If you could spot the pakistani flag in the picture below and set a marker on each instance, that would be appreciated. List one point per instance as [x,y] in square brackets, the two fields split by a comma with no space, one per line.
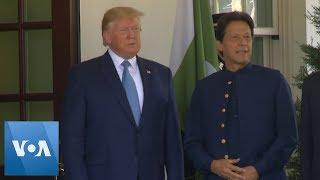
[193,54]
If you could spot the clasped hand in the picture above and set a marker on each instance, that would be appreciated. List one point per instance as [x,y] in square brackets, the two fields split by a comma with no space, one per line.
[227,169]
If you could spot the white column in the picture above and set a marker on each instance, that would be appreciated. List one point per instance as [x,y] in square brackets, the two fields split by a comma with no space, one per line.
[285,53]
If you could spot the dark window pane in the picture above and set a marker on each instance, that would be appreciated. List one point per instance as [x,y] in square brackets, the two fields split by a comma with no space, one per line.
[8,111]
[261,11]
[9,62]
[40,110]
[39,60]
[8,11]
[37,10]
[257,53]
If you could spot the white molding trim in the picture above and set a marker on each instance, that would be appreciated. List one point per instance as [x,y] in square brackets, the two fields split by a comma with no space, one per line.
[266,31]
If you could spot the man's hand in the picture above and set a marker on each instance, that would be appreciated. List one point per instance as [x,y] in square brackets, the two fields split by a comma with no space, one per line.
[225,168]
[250,173]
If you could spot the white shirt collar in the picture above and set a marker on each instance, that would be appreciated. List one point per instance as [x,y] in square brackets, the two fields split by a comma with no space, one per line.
[117,60]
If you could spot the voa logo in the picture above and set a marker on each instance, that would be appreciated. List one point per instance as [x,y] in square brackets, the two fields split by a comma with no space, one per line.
[31,148]
[40,149]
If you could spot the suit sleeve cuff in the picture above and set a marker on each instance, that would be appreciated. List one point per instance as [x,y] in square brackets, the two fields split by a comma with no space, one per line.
[207,165]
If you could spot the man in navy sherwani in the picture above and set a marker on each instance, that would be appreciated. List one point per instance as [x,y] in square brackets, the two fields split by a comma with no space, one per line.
[119,119]
[241,122]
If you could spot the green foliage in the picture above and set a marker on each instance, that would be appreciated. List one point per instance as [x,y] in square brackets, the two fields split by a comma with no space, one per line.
[313,17]
[312,56]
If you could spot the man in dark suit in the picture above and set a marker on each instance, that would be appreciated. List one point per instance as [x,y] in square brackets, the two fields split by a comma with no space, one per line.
[310,128]
[119,120]
[241,121]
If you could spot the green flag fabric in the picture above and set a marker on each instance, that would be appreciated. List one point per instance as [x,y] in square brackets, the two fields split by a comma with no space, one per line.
[193,53]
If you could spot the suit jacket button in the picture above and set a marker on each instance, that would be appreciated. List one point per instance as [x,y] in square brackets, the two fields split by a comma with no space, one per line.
[223,141]
[226,96]
[223,110]
[222,125]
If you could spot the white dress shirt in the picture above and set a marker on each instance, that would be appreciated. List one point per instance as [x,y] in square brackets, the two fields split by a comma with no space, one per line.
[133,70]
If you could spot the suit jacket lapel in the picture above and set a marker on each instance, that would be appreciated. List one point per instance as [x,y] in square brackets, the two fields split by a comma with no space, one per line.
[110,73]
[146,77]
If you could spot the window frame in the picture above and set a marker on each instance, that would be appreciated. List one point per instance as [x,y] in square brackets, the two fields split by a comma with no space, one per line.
[259,31]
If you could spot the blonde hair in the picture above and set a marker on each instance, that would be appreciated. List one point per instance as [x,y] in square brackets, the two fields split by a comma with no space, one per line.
[118,13]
